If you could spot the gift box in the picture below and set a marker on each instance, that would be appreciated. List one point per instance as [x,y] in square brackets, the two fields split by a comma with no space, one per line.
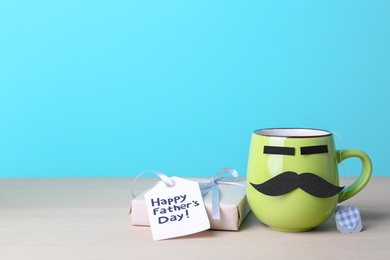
[233,207]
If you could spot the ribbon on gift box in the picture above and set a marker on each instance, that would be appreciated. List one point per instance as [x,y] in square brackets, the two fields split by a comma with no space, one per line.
[212,185]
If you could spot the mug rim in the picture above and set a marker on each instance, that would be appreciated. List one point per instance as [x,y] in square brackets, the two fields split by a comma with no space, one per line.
[292,132]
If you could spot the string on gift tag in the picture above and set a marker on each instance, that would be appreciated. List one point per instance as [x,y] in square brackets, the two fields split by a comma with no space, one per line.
[343,165]
[164,178]
[212,185]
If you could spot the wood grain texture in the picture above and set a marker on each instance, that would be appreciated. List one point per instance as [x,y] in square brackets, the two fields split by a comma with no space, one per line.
[88,219]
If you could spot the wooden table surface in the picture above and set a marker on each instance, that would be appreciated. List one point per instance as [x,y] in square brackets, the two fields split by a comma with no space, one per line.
[88,219]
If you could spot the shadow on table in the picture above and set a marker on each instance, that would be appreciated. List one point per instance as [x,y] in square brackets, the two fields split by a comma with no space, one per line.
[371,218]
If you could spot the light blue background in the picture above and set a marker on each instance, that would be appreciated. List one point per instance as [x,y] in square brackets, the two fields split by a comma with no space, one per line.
[113,88]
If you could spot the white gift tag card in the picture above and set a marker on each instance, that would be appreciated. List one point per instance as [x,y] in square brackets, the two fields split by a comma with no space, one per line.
[348,219]
[177,210]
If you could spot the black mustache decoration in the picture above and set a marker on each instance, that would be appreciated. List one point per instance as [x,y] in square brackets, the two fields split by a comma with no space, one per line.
[289,181]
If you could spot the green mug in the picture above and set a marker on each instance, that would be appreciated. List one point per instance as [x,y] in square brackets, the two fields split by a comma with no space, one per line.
[292,177]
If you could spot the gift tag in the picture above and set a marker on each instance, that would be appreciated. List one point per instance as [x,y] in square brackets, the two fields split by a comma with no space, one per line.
[176,210]
[348,219]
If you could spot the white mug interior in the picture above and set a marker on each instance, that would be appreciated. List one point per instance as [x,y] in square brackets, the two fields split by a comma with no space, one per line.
[292,132]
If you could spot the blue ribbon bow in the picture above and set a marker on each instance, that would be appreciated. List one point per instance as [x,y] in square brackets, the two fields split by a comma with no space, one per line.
[212,185]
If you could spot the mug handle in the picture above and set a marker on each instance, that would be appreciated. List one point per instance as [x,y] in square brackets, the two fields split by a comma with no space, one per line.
[364,176]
